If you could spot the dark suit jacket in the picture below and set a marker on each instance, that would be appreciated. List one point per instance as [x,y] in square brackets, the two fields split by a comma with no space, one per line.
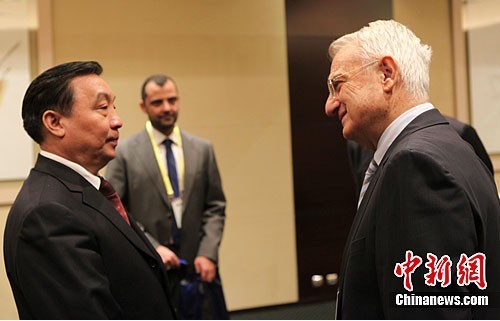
[360,157]
[70,255]
[430,194]
[136,177]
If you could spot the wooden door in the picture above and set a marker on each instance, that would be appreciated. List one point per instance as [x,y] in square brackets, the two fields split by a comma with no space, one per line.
[323,183]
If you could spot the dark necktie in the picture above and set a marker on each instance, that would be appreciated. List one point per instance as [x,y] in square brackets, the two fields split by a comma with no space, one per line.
[172,168]
[174,181]
[368,177]
[109,192]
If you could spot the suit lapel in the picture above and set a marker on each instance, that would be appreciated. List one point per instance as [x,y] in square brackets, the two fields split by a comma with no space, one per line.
[91,197]
[358,218]
[429,118]
[145,153]
[94,199]
[190,160]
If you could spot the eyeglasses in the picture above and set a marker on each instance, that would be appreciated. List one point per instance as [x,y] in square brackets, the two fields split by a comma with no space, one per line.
[334,83]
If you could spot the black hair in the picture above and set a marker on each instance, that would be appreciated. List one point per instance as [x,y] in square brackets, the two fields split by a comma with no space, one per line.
[51,90]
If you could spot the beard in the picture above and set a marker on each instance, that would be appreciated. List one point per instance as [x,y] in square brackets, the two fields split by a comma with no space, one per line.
[165,124]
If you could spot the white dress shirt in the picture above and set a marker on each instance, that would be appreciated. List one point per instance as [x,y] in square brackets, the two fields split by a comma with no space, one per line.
[91,178]
[396,127]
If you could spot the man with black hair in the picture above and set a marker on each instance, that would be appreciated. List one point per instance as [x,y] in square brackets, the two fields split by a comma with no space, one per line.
[71,251]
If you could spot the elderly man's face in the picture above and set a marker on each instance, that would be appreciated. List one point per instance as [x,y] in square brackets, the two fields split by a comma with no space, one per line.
[91,130]
[357,98]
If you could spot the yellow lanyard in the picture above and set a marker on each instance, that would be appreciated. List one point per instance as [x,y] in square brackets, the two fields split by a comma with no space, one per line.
[162,163]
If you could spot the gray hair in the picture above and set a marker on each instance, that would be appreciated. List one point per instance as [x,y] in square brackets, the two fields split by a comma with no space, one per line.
[390,38]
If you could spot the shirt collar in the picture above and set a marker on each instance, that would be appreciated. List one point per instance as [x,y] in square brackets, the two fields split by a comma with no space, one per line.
[396,127]
[91,178]
[160,137]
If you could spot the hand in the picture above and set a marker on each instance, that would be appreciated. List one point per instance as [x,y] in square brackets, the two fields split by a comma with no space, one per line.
[205,267]
[170,260]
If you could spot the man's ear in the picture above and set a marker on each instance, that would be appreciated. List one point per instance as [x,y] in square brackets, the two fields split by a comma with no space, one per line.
[143,106]
[390,72]
[52,122]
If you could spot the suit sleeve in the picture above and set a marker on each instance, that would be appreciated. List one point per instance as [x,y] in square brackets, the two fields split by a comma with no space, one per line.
[68,280]
[423,209]
[215,212]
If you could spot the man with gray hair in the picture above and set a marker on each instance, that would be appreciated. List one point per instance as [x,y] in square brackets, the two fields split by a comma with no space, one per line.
[425,242]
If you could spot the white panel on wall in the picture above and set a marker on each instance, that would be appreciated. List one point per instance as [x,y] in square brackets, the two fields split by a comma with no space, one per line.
[484,75]
[16,147]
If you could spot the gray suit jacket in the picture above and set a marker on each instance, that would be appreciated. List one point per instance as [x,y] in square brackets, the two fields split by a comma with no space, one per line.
[430,194]
[136,177]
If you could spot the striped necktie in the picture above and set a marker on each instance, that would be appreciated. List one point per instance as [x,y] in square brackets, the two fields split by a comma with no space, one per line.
[368,176]
[109,192]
